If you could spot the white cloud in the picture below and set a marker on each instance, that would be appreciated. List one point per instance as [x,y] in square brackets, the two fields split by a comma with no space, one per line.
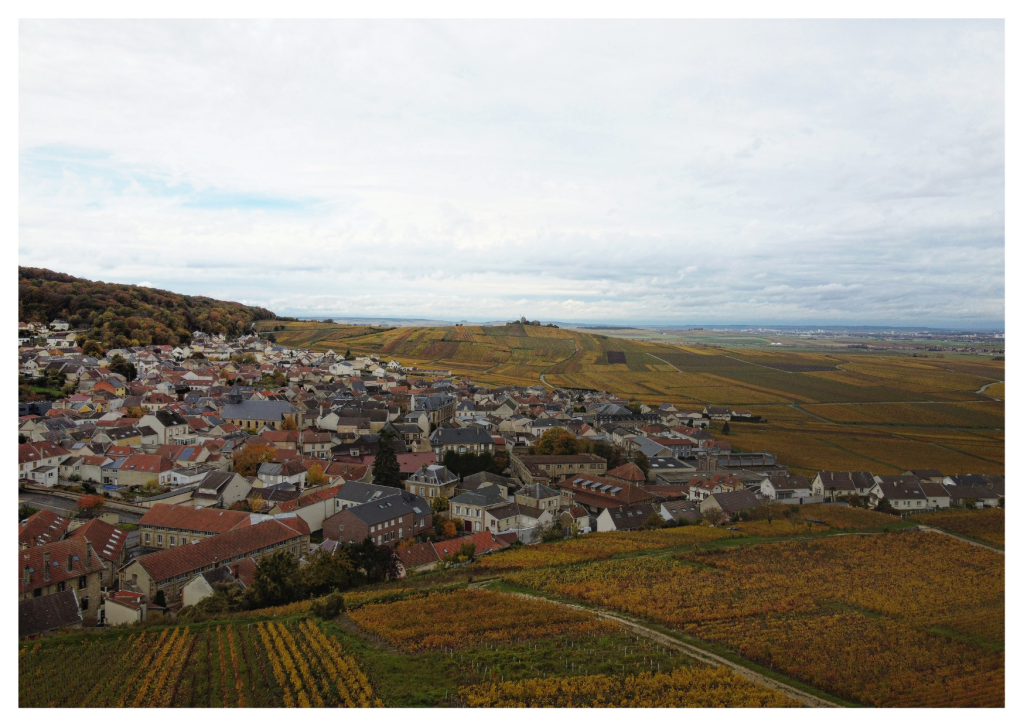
[645,171]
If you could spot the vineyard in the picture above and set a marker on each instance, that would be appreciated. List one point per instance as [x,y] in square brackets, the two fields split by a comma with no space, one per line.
[872,619]
[467,618]
[984,525]
[682,688]
[263,664]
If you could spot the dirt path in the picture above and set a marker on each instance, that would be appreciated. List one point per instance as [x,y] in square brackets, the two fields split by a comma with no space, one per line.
[698,654]
[926,528]
[574,354]
[985,388]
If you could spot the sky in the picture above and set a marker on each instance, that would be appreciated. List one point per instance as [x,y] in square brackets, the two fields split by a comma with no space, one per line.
[658,172]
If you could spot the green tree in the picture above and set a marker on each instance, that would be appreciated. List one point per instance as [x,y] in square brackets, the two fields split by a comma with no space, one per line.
[654,521]
[552,532]
[376,563]
[25,511]
[468,464]
[227,597]
[278,581]
[725,429]
[439,504]
[122,367]
[386,470]
[326,572]
[93,349]
[641,460]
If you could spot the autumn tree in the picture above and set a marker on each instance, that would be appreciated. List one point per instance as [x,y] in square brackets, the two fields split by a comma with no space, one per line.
[93,349]
[641,460]
[135,412]
[557,441]
[315,476]
[439,504]
[91,503]
[247,460]
[386,470]
[289,425]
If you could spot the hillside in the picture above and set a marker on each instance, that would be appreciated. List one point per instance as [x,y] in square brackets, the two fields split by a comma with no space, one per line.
[837,410]
[123,315]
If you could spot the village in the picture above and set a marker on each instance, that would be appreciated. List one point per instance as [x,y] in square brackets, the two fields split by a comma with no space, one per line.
[161,472]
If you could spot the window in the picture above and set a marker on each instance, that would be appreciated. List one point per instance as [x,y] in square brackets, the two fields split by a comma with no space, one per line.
[372,528]
[421,521]
[173,540]
[146,537]
[431,492]
[378,539]
[85,603]
[421,491]
[38,592]
[60,587]
[159,539]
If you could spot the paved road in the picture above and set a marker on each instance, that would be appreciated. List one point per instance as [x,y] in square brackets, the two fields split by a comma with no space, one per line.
[66,507]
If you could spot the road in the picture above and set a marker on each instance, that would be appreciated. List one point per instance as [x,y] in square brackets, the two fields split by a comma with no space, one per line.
[985,388]
[575,353]
[66,507]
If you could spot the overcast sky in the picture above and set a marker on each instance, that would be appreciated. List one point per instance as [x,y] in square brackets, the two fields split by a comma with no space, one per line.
[659,172]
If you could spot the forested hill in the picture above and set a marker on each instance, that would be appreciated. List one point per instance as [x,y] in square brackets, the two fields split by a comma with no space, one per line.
[124,315]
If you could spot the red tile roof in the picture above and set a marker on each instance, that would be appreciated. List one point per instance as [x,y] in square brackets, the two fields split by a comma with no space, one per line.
[241,542]
[42,527]
[34,557]
[198,519]
[306,499]
[106,539]
[151,463]
[628,471]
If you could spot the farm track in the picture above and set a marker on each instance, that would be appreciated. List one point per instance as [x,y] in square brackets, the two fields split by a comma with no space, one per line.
[575,353]
[986,387]
[926,528]
[698,654]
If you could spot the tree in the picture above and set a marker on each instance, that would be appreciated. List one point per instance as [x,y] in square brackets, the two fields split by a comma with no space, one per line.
[376,563]
[439,504]
[634,406]
[151,487]
[654,521]
[613,455]
[448,529]
[725,429]
[256,503]
[854,500]
[245,359]
[716,516]
[91,503]
[468,464]
[278,581]
[386,471]
[315,476]
[25,511]
[227,597]
[641,460]
[557,441]
[885,506]
[289,425]
[242,505]
[551,532]
[122,367]
[326,572]
[135,412]
[247,460]
[93,349]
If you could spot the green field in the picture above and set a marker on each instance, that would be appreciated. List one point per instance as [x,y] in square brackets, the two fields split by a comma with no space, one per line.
[826,409]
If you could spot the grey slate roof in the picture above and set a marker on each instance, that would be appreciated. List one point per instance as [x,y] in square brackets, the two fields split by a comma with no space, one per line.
[50,612]
[258,410]
[452,437]
[482,497]
[396,505]
[358,491]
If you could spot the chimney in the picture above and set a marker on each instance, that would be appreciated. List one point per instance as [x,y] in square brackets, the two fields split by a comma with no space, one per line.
[27,576]
[46,566]
[88,556]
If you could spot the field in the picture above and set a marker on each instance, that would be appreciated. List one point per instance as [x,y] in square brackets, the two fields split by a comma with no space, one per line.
[826,409]
[869,618]
[984,525]
[268,664]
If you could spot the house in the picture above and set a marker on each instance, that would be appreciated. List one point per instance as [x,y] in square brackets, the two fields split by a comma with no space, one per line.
[718,413]
[240,573]
[486,478]
[171,569]
[188,475]
[938,497]
[289,472]
[125,607]
[541,469]
[32,456]
[732,502]
[386,520]
[979,490]
[539,496]
[471,506]
[833,485]
[668,470]
[165,526]
[519,518]
[42,528]
[626,518]
[628,472]
[255,415]
[109,543]
[48,614]
[432,481]
[680,511]
[787,488]
[170,427]
[139,470]
[70,564]
[470,440]
[903,492]
[221,489]
[353,493]
[598,493]
[426,556]
[313,507]
[439,407]
[575,516]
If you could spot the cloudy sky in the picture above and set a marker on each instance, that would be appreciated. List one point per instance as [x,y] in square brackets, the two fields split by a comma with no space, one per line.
[590,171]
